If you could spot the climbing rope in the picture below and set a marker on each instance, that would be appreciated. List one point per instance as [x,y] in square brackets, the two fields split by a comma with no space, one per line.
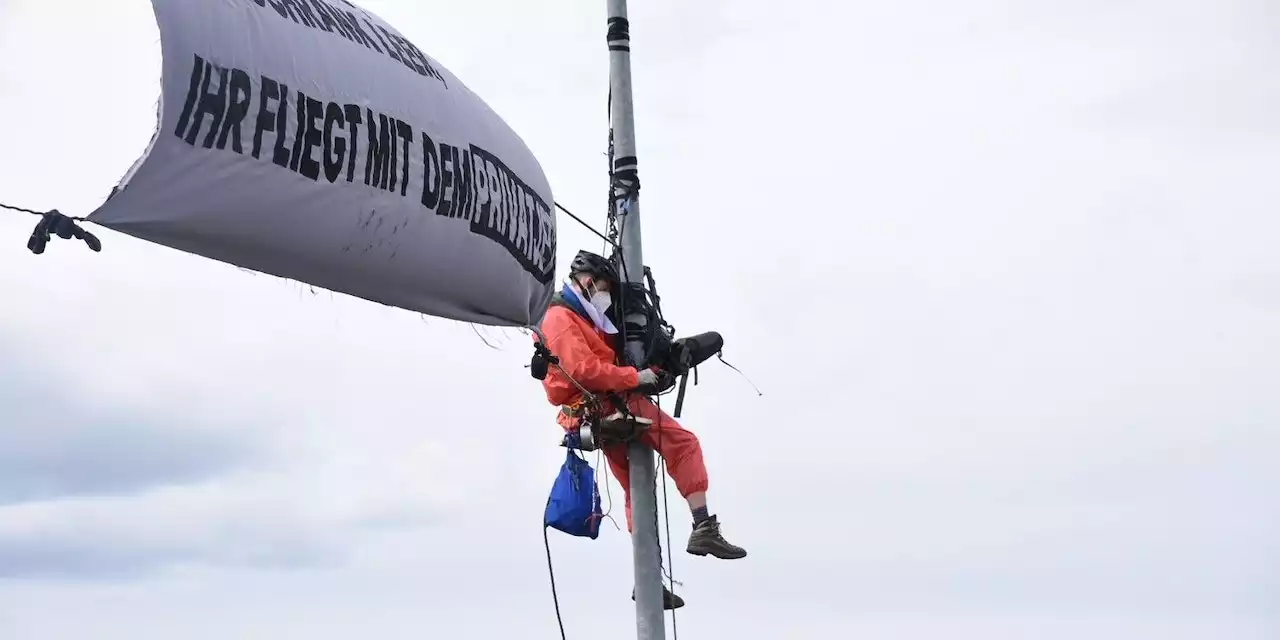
[661,476]
[660,472]
[585,225]
[20,209]
[55,222]
[549,359]
[555,597]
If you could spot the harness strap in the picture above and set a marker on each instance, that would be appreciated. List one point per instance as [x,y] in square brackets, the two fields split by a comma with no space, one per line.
[575,409]
[580,407]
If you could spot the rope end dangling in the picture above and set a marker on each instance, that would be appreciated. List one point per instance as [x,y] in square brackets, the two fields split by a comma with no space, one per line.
[55,223]
[720,356]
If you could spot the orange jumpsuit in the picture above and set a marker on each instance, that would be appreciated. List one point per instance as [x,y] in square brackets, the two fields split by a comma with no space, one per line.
[588,356]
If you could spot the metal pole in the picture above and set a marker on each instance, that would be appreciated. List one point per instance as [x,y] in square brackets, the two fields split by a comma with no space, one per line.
[644,498]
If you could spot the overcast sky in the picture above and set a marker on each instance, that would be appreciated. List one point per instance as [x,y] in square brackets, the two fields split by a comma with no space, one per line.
[1005,271]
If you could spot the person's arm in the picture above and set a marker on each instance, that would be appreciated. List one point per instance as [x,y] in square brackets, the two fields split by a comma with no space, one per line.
[566,340]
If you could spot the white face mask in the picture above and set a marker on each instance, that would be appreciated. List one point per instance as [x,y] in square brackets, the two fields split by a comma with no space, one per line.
[601,300]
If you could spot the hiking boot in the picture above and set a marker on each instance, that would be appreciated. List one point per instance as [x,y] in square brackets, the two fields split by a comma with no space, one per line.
[706,539]
[669,600]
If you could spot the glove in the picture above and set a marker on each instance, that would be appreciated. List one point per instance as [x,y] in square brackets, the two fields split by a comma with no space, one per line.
[652,383]
[648,378]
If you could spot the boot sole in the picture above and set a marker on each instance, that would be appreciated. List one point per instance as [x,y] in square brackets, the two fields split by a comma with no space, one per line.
[675,605]
[698,551]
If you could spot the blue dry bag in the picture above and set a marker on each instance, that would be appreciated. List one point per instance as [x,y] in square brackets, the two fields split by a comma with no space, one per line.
[574,504]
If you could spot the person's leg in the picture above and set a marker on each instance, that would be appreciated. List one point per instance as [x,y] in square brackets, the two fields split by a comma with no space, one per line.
[619,465]
[698,506]
[679,447]
[685,464]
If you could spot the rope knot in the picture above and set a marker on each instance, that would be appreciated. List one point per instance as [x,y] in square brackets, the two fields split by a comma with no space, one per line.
[55,223]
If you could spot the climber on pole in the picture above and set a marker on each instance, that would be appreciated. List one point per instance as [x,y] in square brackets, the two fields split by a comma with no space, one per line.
[584,338]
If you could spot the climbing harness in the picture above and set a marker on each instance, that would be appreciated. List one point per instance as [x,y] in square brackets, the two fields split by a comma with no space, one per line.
[595,428]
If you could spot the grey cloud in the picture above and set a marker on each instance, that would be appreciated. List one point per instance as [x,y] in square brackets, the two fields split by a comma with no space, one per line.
[52,445]
[93,491]
[107,458]
[83,488]
[84,555]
